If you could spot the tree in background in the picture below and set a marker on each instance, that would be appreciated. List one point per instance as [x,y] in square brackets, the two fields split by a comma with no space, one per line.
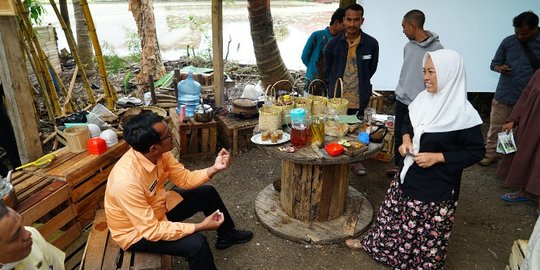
[267,53]
[151,63]
[84,42]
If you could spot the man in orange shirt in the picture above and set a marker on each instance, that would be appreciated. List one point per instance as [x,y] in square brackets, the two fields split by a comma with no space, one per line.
[143,217]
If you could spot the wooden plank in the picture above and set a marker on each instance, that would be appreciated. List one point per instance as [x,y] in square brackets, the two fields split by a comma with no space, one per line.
[193,141]
[68,237]
[147,261]
[286,194]
[235,141]
[126,262]
[166,262]
[205,140]
[91,184]
[43,202]
[31,183]
[516,252]
[58,221]
[18,91]
[213,139]
[316,189]
[75,251]
[86,208]
[112,255]
[95,248]
[183,142]
[352,216]
[217,51]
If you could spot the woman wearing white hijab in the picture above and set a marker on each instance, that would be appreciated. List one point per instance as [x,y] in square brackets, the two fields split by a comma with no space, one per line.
[441,137]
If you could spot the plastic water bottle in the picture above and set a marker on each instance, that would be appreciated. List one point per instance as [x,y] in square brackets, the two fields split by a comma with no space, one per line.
[189,94]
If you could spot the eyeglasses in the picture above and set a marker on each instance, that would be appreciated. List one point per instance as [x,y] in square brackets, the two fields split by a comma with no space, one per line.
[166,137]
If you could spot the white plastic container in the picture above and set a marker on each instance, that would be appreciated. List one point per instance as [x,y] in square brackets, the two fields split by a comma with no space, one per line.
[110,137]
[95,131]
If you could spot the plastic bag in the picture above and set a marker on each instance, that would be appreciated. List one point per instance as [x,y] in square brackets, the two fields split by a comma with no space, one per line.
[253,91]
[103,113]
[93,118]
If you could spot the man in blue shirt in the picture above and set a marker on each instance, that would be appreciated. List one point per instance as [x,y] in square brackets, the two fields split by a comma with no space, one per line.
[516,60]
[313,53]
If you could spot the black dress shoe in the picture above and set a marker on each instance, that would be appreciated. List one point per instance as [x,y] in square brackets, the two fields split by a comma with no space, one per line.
[233,237]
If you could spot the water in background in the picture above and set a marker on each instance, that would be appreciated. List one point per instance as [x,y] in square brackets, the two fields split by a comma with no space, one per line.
[181,24]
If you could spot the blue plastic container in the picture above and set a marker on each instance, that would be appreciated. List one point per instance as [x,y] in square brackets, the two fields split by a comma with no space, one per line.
[189,94]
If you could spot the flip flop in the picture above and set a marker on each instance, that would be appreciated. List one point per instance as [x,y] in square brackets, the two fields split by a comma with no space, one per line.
[514,197]
[392,171]
[353,244]
[358,168]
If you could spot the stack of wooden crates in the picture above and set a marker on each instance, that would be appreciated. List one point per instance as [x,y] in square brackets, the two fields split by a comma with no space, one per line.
[62,198]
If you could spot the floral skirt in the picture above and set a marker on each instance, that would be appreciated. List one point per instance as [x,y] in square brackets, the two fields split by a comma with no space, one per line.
[410,234]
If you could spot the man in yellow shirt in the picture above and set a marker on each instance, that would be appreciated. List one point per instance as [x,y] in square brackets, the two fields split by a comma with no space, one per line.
[142,216]
[23,248]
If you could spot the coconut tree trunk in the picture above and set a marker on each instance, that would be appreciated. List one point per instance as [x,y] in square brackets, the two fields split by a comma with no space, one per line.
[64,12]
[267,54]
[84,42]
[151,63]
[346,3]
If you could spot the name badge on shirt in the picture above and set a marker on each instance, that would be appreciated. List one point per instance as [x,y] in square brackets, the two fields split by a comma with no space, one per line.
[153,186]
[366,57]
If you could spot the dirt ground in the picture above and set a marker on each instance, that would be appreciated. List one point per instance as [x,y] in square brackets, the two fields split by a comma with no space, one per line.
[482,237]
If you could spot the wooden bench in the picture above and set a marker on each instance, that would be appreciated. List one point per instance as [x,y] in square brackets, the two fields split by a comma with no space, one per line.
[101,252]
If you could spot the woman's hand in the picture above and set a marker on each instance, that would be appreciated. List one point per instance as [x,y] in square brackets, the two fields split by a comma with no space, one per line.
[426,160]
[406,146]
[506,127]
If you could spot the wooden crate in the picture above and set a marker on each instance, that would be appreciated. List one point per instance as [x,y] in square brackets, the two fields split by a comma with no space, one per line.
[86,176]
[194,139]
[376,101]
[101,252]
[236,133]
[45,204]
[517,256]
[387,152]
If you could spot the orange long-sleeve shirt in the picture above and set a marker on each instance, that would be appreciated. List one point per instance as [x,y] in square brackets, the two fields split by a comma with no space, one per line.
[136,200]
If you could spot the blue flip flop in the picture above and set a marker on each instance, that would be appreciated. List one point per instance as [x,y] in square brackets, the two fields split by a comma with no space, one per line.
[512,197]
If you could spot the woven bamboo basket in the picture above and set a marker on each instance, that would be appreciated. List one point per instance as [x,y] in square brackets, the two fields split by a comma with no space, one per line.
[318,103]
[270,118]
[285,109]
[340,105]
[76,138]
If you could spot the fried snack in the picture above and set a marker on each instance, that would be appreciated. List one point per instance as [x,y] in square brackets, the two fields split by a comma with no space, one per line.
[279,134]
[265,136]
[274,137]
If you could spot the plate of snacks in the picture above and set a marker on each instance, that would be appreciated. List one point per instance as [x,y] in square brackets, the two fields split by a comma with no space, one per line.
[271,138]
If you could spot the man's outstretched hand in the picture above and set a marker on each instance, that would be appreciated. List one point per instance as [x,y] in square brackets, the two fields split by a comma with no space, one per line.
[211,222]
[223,161]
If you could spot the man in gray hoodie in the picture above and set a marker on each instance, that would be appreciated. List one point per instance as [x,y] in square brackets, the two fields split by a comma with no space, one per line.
[411,79]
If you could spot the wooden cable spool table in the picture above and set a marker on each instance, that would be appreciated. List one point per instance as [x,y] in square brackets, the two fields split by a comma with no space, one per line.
[316,204]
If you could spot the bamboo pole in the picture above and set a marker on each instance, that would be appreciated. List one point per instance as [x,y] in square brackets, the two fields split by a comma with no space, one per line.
[110,94]
[42,85]
[69,104]
[73,47]
[27,26]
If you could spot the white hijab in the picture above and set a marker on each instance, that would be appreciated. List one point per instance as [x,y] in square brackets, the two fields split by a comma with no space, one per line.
[445,110]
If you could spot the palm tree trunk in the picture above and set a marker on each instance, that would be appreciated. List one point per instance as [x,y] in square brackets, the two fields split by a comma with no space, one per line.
[151,63]
[84,42]
[267,54]
[64,12]
[346,3]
